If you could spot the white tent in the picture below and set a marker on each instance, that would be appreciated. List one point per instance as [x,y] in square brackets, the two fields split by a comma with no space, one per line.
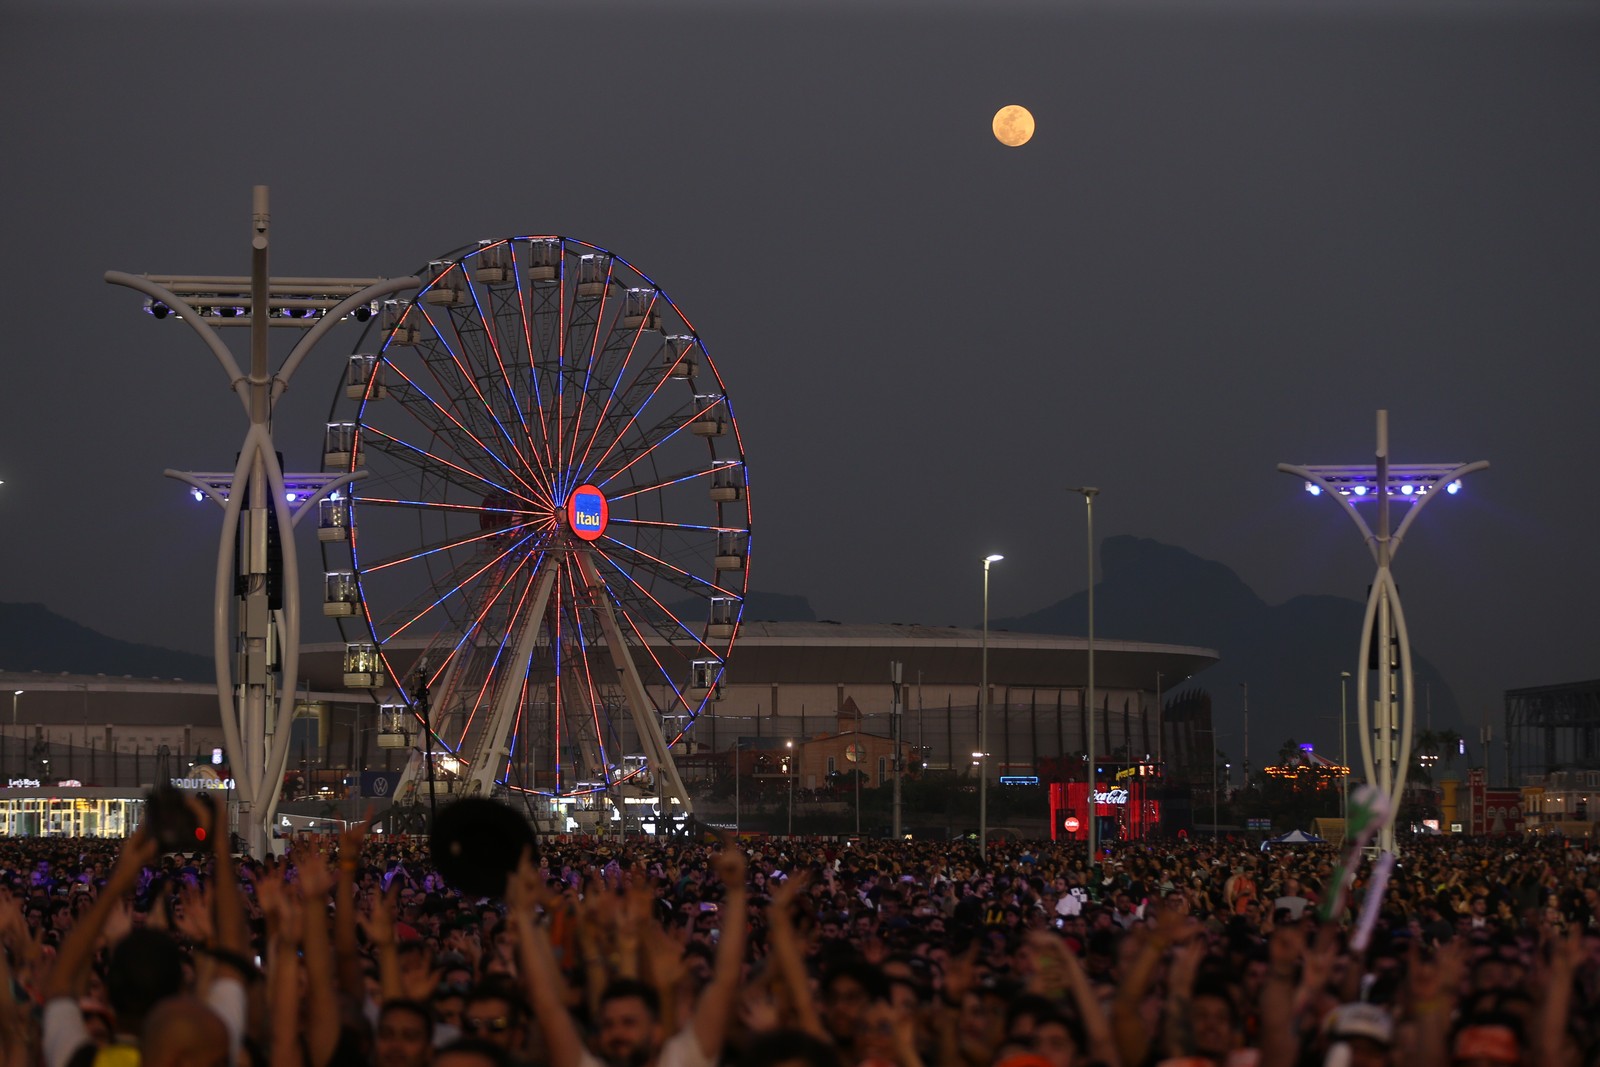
[1293,837]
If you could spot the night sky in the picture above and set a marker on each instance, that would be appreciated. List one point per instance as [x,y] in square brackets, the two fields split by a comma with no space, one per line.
[1239,231]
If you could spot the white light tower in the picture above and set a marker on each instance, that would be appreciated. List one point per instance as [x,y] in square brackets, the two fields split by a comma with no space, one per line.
[1384,483]
[983,717]
[263,637]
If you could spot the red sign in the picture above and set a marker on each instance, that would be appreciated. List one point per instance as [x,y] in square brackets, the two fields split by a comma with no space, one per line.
[1071,824]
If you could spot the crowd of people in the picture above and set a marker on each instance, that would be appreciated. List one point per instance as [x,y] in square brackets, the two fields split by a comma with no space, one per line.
[801,952]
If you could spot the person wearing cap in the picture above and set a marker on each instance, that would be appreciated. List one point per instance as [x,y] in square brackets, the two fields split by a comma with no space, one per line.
[1365,1030]
[1487,1041]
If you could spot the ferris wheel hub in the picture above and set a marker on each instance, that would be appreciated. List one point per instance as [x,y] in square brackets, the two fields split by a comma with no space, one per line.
[588,513]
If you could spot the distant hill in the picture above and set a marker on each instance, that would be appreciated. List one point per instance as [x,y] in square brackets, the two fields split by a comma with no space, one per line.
[34,638]
[1290,654]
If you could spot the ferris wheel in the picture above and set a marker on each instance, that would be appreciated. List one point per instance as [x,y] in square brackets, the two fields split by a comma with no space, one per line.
[553,532]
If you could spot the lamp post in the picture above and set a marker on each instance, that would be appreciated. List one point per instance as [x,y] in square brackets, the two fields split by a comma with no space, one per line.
[1344,758]
[15,693]
[790,746]
[1246,687]
[1089,493]
[983,716]
[1385,757]
[1214,834]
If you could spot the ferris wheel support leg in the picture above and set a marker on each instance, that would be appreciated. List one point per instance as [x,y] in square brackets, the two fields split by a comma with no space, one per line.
[494,748]
[668,783]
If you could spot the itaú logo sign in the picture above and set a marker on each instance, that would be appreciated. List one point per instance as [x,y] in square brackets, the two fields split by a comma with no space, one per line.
[587,512]
[1114,796]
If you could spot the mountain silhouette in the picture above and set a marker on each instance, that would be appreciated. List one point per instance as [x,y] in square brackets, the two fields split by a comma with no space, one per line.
[34,638]
[1289,654]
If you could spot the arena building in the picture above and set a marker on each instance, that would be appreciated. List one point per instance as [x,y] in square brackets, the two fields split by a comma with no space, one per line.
[822,685]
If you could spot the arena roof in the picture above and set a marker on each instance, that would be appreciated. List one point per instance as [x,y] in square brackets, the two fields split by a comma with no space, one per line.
[811,652]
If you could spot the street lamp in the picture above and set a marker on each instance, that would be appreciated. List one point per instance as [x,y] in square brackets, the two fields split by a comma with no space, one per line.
[1385,483]
[1246,687]
[1089,493]
[790,746]
[15,693]
[983,717]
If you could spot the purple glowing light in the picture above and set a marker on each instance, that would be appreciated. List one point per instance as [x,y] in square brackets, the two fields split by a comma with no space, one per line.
[1454,487]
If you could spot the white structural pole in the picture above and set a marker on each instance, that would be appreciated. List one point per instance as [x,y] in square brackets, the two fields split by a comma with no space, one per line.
[1091,821]
[257,707]
[1385,725]
[895,709]
[983,718]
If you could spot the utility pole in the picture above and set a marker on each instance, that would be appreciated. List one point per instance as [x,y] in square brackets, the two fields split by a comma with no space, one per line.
[419,696]
[1246,687]
[899,763]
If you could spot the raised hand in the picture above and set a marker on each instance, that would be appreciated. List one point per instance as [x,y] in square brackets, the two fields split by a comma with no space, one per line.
[193,917]
[378,922]
[731,865]
[353,838]
[313,875]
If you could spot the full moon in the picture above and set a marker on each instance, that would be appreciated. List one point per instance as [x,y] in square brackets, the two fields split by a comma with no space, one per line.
[1013,125]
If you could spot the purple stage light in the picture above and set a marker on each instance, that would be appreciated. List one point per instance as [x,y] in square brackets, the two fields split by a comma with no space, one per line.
[1360,490]
[1313,488]
[1454,487]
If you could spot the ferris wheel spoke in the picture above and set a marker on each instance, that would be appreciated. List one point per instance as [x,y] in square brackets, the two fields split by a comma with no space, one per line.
[654,444]
[667,614]
[438,505]
[666,676]
[586,674]
[452,590]
[533,371]
[420,458]
[616,376]
[686,580]
[484,406]
[622,521]
[384,563]
[469,633]
[495,676]
[490,332]
[589,363]
[488,323]
[448,419]
[659,485]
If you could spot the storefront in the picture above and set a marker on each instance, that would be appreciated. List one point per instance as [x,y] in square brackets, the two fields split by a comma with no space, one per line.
[31,809]
[1123,810]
